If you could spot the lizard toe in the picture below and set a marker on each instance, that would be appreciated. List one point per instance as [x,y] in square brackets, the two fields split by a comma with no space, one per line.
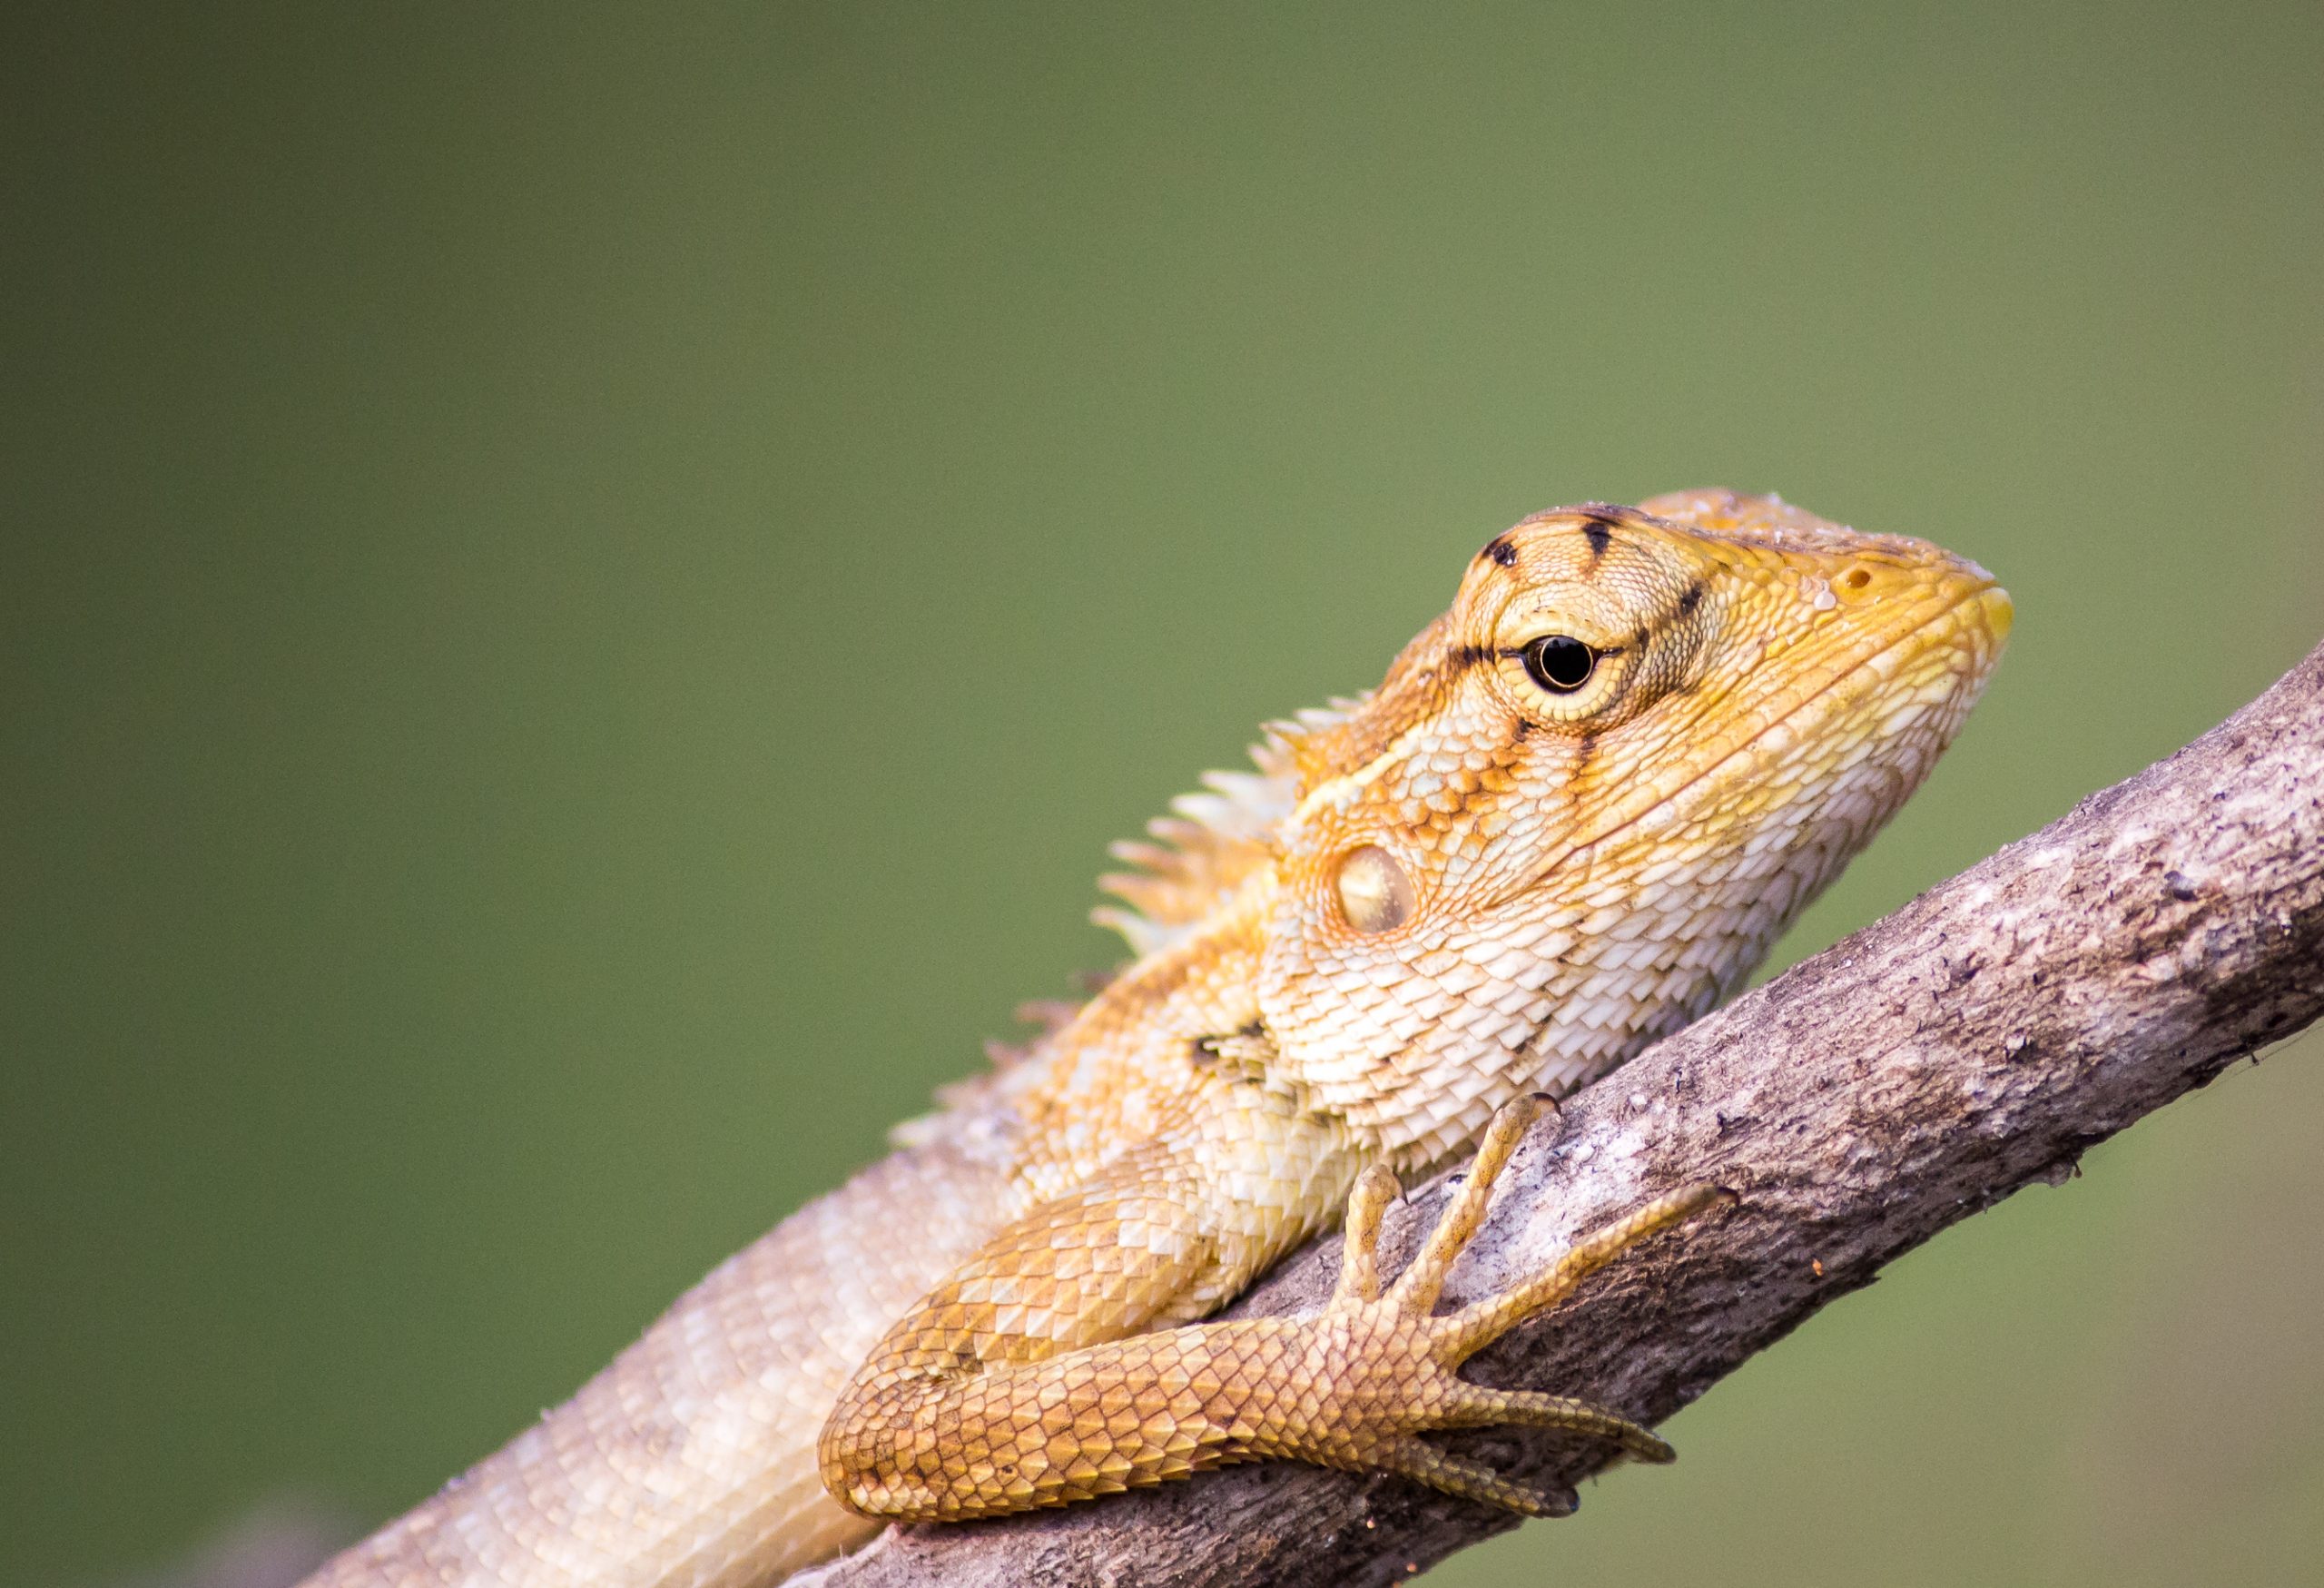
[1479,1324]
[1416,1458]
[1479,1405]
[1417,1289]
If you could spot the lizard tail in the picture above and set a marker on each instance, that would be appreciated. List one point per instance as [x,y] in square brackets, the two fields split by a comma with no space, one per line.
[691,1459]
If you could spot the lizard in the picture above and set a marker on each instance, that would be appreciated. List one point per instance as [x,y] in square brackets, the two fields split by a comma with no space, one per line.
[1572,817]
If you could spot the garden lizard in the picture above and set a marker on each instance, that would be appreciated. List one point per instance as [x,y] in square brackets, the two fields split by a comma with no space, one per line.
[1571,818]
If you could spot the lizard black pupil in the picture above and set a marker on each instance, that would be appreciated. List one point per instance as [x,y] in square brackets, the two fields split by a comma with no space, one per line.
[1560,663]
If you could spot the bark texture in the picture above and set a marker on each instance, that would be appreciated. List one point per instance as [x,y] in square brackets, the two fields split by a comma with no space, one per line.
[1923,1069]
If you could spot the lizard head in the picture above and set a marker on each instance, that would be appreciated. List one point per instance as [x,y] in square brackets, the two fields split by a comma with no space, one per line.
[1584,802]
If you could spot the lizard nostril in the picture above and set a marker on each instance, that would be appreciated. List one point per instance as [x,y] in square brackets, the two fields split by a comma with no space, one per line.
[1375,893]
[1856,578]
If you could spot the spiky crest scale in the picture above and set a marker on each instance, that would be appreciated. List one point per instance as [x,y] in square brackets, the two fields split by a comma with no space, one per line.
[1213,840]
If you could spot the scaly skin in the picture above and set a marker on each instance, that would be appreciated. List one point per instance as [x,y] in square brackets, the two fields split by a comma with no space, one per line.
[1472,887]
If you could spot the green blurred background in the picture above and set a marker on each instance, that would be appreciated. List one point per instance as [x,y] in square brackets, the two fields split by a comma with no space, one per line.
[586,586]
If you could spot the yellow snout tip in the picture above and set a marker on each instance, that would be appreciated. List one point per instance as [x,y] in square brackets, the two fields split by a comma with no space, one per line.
[1999,611]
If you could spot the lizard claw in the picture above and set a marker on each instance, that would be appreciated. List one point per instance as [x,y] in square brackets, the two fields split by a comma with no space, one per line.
[1393,1361]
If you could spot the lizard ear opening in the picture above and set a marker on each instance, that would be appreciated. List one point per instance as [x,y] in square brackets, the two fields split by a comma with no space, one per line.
[1375,893]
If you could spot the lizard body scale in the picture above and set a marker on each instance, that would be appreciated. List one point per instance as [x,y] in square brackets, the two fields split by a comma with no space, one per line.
[1572,817]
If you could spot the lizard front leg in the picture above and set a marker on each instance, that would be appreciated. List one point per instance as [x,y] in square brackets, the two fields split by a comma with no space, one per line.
[927,1432]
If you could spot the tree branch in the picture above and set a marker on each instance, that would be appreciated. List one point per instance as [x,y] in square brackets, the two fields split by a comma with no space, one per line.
[1923,1069]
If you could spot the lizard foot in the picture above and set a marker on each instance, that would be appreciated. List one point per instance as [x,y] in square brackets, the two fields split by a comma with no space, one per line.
[1390,1363]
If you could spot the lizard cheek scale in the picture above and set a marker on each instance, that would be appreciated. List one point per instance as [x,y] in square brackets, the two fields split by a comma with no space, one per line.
[1572,816]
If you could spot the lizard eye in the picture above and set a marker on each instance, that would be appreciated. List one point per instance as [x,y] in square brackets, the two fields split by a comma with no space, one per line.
[1560,663]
